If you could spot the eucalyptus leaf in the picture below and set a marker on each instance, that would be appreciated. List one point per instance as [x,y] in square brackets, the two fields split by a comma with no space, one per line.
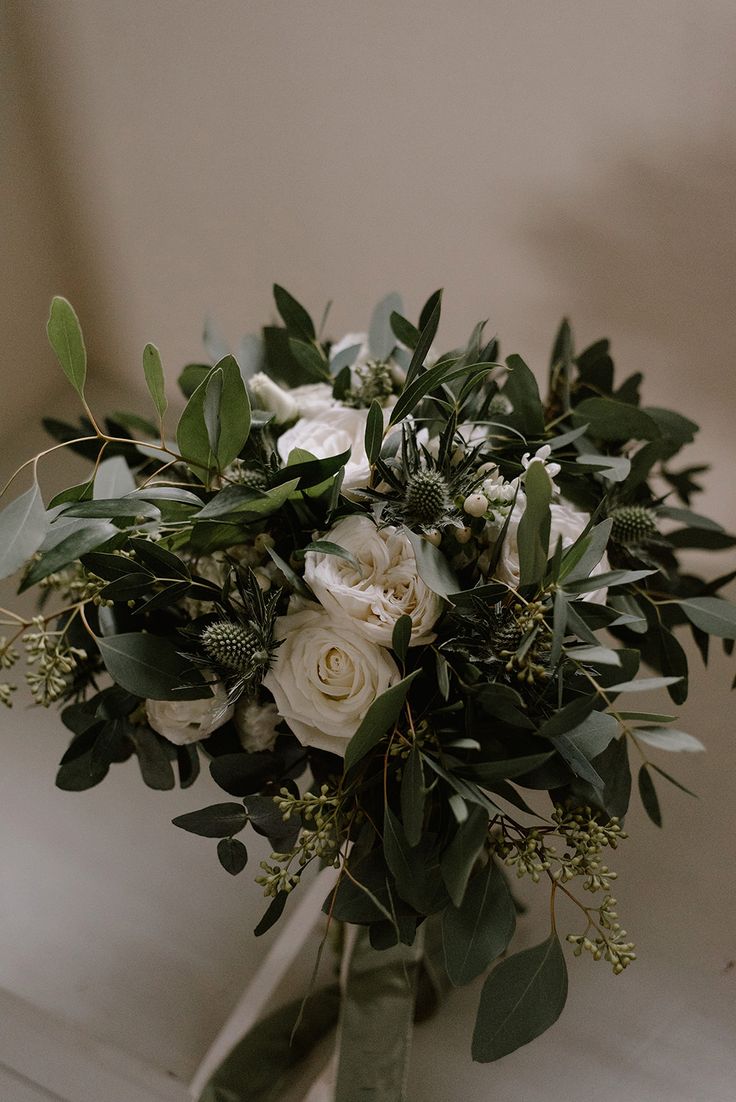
[149,666]
[154,374]
[216,821]
[381,339]
[65,337]
[523,996]
[668,738]
[23,526]
[374,431]
[460,856]
[378,720]
[413,797]
[534,527]
[293,314]
[713,615]
[480,929]
[649,798]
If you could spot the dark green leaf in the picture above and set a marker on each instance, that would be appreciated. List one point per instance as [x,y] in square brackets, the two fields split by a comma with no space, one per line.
[404,330]
[534,526]
[243,774]
[310,359]
[523,996]
[480,929]
[156,769]
[232,854]
[611,420]
[215,821]
[374,431]
[401,637]
[293,314]
[116,508]
[149,666]
[192,434]
[522,391]
[234,413]
[406,862]
[413,796]
[648,794]
[378,720]
[463,851]
[65,337]
[432,566]
[273,913]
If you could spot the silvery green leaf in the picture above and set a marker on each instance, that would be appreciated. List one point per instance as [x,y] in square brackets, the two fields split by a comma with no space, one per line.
[381,339]
[603,655]
[713,615]
[667,738]
[23,526]
[614,468]
[114,478]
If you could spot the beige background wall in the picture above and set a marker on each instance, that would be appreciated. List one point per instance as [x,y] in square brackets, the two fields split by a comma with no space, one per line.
[166,160]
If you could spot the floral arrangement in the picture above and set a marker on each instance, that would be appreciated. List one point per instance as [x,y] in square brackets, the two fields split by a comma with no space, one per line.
[398,604]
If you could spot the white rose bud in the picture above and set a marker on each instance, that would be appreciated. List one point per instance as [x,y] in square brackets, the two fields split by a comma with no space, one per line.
[256,725]
[325,677]
[185,721]
[384,586]
[274,399]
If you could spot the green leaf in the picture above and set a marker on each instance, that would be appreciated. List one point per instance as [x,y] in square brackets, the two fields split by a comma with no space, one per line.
[310,359]
[668,738]
[65,337]
[374,431]
[23,526]
[713,615]
[232,855]
[488,773]
[117,508]
[191,376]
[234,413]
[401,637]
[522,391]
[523,996]
[325,547]
[428,323]
[273,913]
[432,566]
[587,551]
[413,796]
[381,340]
[463,851]
[378,720]
[404,331]
[608,419]
[673,781]
[215,821]
[192,436]
[534,526]
[417,388]
[480,929]
[293,314]
[88,536]
[150,667]
[642,685]
[649,798]
[153,761]
[154,373]
[407,864]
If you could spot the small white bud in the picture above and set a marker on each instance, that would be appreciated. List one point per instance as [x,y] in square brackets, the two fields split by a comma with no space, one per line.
[463,535]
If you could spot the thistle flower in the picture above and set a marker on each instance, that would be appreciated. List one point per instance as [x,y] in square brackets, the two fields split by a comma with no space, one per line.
[633,525]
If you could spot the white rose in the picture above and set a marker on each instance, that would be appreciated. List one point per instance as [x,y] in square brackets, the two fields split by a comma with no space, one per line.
[326,677]
[185,721]
[274,399]
[564,521]
[384,587]
[331,432]
[256,725]
[313,398]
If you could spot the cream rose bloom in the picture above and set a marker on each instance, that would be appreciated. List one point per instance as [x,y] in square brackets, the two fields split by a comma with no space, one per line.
[325,677]
[384,587]
[564,521]
[185,721]
[334,430]
[268,395]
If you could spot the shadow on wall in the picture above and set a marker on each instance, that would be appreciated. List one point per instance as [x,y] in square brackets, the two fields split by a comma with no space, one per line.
[649,249]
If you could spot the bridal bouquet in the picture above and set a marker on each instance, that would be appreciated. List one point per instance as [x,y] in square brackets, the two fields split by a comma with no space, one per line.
[398,604]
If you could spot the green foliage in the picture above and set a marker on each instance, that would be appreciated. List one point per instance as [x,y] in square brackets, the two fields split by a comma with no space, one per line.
[479,930]
[378,721]
[523,996]
[154,373]
[149,666]
[65,337]
[23,526]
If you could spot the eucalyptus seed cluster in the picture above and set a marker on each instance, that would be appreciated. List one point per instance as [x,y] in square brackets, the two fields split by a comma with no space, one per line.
[608,943]
[75,583]
[521,639]
[320,840]
[528,854]
[373,381]
[56,659]
[585,838]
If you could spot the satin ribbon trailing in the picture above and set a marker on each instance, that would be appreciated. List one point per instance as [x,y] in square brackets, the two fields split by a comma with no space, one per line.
[376,1019]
